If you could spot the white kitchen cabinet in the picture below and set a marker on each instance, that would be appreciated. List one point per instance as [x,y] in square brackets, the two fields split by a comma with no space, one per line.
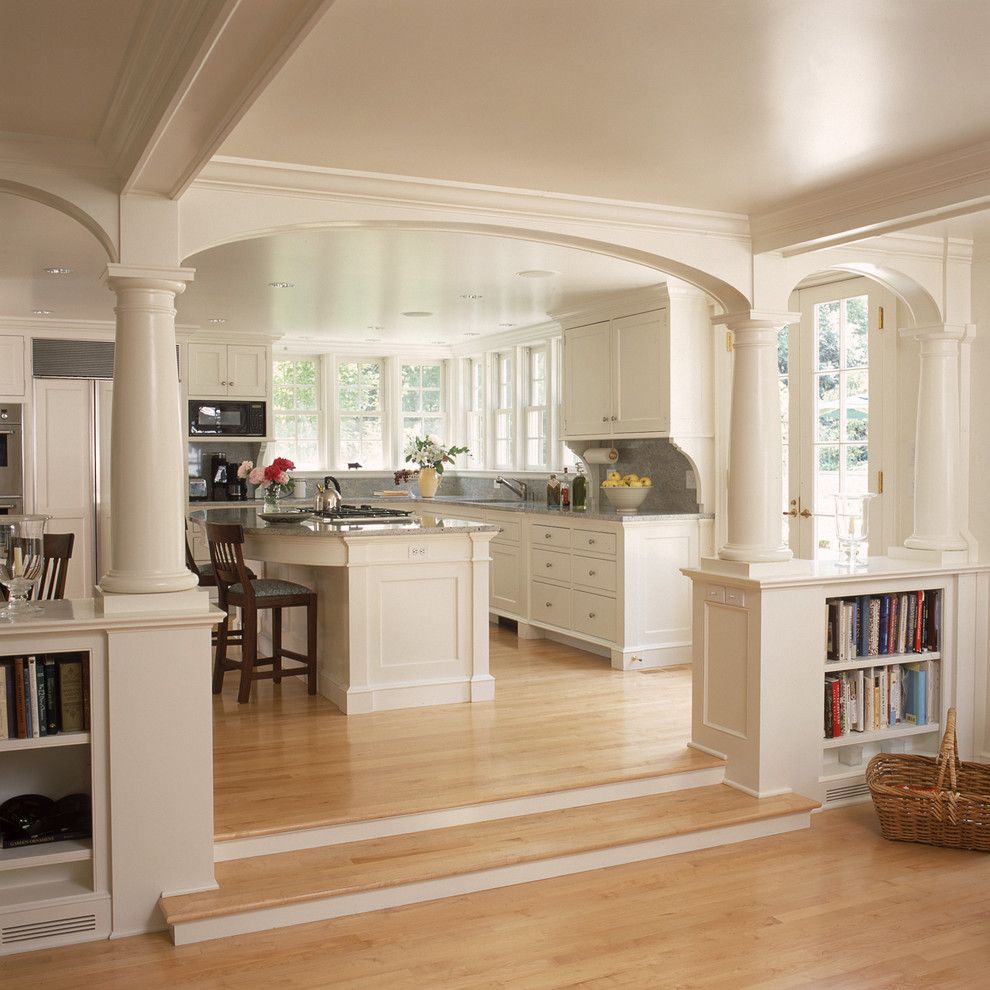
[507,575]
[614,377]
[237,371]
[11,366]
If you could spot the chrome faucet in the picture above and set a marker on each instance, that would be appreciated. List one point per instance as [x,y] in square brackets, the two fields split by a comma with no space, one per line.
[519,488]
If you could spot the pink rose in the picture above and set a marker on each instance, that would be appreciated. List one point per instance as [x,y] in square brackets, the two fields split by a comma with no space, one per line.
[245,469]
[283,478]
[257,475]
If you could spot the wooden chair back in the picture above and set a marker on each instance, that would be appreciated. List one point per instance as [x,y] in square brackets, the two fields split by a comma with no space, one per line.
[57,552]
[226,540]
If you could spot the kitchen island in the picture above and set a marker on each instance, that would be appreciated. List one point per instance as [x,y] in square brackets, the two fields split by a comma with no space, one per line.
[403,606]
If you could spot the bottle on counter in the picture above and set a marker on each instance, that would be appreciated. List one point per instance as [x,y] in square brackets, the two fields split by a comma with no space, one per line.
[579,491]
[565,492]
[553,492]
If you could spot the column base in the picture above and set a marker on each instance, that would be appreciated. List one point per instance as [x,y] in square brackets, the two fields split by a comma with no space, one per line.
[115,603]
[938,558]
[937,543]
[118,583]
[756,568]
[755,554]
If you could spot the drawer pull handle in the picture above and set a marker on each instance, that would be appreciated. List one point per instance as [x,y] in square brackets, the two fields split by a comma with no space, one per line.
[549,564]
[604,419]
[591,543]
[591,615]
[549,604]
[546,536]
[591,573]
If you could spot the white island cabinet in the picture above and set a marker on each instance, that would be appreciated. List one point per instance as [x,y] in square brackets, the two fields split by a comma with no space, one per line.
[402,611]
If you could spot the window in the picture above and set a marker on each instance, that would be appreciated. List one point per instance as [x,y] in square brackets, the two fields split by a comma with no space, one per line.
[359,414]
[474,375]
[784,390]
[536,411]
[504,405]
[297,410]
[422,401]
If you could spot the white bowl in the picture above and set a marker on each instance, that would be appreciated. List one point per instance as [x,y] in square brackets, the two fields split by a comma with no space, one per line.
[626,499]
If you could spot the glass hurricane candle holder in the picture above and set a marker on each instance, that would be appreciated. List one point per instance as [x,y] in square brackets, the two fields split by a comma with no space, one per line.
[21,562]
[852,527]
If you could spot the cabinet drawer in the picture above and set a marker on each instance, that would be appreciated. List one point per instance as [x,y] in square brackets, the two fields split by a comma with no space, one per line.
[593,615]
[551,604]
[596,542]
[593,573]
[550,564]
[510,530]
[550,536]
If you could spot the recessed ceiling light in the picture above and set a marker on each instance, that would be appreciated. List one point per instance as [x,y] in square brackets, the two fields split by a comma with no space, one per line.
[507,324]
[282,285]
[417,313]
[472,295]
[217,320]
[42,312]
[58,270]
[536,273]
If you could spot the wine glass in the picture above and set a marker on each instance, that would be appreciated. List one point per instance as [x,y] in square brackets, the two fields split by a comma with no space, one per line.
[21,561]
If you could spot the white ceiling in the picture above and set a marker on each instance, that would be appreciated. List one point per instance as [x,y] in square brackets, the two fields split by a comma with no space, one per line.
[733,105]
[736,105]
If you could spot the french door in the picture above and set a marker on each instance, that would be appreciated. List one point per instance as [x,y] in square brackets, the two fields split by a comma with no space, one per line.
[831,369]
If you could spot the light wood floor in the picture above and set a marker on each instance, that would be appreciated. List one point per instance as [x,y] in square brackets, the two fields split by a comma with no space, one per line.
[561,719]
[833,906]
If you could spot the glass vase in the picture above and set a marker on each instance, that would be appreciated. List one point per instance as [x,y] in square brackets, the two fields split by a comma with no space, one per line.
[21,562]
[852,527]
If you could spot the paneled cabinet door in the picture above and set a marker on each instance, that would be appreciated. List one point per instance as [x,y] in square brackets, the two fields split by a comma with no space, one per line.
[506,586]
[640,400]
[247,371]
[207,371]
[11,366]
[587,381]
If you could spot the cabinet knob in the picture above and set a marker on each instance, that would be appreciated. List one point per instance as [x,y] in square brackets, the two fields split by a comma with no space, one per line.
[549,564]
[232,383]
[549,604]
[614,418]
[604,419]
[591,543]
[591,573]
[591,615]
[546,536]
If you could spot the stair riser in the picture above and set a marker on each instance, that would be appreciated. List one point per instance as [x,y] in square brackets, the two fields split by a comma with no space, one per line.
[332,835]
[349,904]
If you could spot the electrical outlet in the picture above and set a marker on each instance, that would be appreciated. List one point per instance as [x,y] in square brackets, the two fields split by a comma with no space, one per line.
[690,482]
[418,551]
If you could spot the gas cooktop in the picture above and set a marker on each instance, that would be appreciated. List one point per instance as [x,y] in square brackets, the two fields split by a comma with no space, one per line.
[348,515]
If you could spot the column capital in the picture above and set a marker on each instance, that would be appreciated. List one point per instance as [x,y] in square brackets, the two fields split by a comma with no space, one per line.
[755,319]
[939,331]
[146,277]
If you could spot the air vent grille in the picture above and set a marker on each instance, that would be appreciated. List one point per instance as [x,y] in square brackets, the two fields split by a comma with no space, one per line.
[73,358]
[53,928]
[847,792]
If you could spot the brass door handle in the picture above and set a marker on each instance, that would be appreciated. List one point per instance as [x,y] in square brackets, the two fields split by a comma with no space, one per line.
[806,513]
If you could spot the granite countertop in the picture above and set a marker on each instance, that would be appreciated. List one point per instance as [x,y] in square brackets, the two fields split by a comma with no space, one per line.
[308,526]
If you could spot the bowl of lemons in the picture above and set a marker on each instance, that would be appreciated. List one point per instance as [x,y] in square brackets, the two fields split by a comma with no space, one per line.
[626,491]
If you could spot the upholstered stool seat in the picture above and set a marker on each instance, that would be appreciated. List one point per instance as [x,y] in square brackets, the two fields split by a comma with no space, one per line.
[237,587]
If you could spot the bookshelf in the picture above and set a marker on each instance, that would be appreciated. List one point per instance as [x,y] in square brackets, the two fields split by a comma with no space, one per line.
[56,893]
[882,680]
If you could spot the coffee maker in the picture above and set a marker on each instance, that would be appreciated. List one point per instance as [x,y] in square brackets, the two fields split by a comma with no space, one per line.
[220,474]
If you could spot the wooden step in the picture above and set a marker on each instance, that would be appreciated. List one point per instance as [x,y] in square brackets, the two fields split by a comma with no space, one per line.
[289,888]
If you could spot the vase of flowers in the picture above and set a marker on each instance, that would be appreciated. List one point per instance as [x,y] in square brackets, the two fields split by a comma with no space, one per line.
[430,458]
[274,481]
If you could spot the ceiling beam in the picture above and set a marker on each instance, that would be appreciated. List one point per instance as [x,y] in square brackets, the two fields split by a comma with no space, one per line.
[939,188]
[193,69]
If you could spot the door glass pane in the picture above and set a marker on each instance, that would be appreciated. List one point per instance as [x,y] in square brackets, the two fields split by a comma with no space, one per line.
[856,349]
[827,325]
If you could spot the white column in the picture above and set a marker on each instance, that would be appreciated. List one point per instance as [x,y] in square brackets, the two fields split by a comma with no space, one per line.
[754,532]
[937,438]
[148,469]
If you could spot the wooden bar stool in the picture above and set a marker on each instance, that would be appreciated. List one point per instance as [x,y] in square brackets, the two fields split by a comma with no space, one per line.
[237,588]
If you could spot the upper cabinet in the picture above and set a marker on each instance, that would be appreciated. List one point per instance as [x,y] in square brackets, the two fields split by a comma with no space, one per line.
[231,370]
[11,366]
[639,374]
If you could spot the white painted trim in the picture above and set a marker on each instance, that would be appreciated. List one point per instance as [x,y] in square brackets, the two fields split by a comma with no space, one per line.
[248,175]
[706,749]
[578,797]
[773,792]
[489,879]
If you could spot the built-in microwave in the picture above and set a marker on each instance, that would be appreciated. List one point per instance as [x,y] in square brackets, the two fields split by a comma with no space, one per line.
[224,418]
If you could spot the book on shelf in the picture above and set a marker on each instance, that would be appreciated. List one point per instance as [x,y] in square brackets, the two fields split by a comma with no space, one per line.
[882,625]
[43,695]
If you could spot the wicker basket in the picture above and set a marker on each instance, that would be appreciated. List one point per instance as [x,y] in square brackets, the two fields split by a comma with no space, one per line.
[936,800]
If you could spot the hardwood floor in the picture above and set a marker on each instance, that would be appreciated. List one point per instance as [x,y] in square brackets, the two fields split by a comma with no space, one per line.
[561,719]
[832,906]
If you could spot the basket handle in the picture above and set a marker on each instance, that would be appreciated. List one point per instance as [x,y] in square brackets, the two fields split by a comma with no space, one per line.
[948,754]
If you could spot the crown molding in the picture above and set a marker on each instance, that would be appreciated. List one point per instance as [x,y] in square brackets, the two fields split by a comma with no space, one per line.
[273,178]
[53,154]
[82,329]
[615,304]
[938,188]
[506,339]
[352,348]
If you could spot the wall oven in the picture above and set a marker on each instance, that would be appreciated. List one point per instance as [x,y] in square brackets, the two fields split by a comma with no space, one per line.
[224,418]
[11,456]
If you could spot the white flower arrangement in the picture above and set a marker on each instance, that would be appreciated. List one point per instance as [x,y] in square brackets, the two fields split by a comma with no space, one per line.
[425,452]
